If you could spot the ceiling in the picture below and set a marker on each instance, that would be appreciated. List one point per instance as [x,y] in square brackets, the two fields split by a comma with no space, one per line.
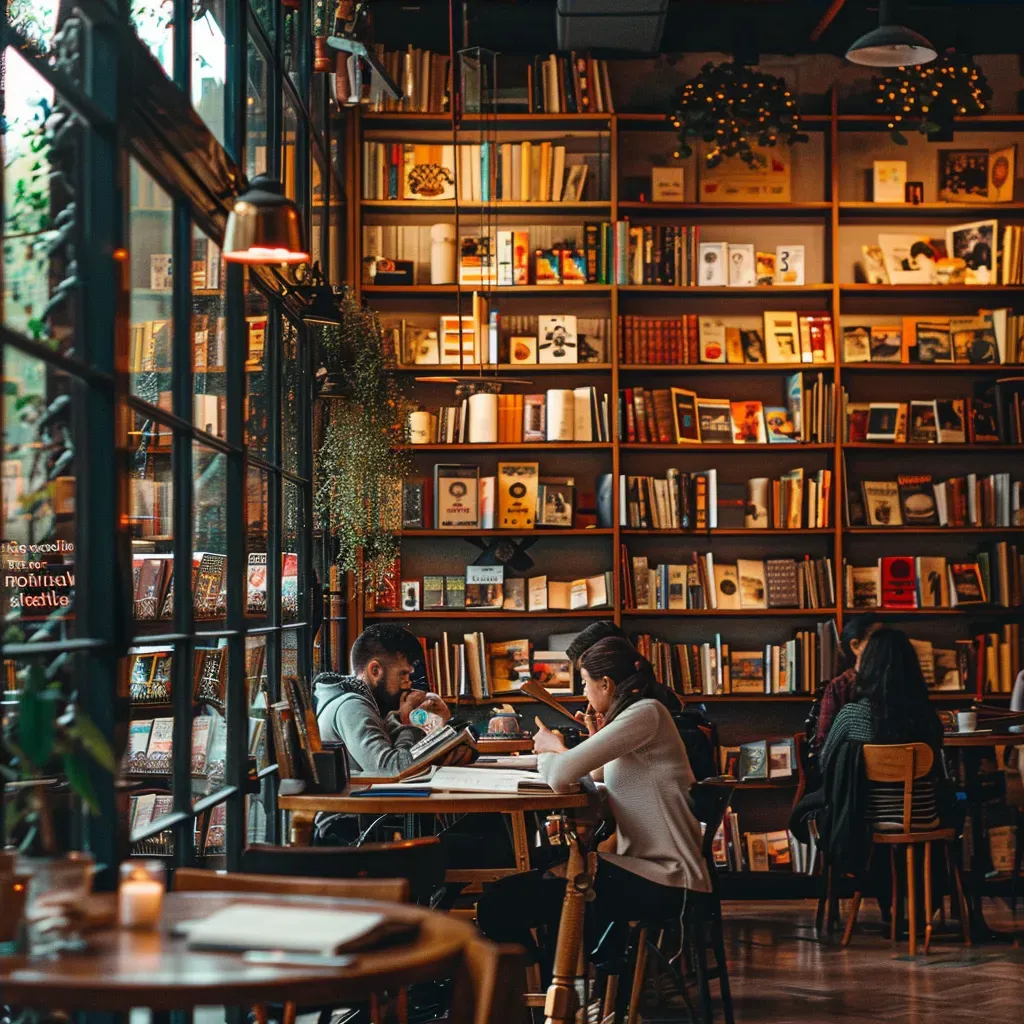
[768,26]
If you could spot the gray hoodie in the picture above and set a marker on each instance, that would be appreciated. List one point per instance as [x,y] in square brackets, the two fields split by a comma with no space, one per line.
[346,711]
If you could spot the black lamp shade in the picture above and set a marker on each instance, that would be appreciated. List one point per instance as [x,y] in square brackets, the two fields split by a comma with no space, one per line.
[264,226]
[891,46]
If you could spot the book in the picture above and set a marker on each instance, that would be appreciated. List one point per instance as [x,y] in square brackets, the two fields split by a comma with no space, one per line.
[917,500]
[746,671]
[886,344]
[781,759]
[899,581]
[863,586]
[753,760]
[727,585]
[753,586]
[457,497]
[782,337]
[484,586]
[517,494]
[781,582]
[881,502]
[748,423]
[965,584]
[932,581]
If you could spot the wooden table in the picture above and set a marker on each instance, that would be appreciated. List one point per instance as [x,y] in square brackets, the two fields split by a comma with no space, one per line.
[305,807]
[510,745]
[964,743]
[123,969]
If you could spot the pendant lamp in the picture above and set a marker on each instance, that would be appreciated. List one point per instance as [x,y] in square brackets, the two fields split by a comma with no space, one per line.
[264,226]
[890,45]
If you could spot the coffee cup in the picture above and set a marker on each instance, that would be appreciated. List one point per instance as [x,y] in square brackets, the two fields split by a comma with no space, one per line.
[966,721]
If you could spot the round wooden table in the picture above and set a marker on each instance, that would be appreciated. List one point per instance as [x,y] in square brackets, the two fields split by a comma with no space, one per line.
[983,739]
[123,969]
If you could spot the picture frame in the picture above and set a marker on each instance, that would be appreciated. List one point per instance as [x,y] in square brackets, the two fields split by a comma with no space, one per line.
[883,420]
[857,344]
[685,416]
[742,265]
[976,244]
[789,266]
[886,343]
[410,595]
[556,502]
[712,264]
[888,181]
[908,259]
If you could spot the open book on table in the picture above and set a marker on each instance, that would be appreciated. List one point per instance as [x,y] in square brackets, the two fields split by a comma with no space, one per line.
[471,780]
[244,926]
[434,748]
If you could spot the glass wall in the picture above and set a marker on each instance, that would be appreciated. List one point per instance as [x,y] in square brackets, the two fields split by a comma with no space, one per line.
[173,627]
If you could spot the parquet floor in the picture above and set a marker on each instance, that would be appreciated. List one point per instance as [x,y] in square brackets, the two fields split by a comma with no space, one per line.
[782,974]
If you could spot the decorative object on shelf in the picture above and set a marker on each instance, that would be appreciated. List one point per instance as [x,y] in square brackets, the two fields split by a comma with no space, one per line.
[358,469]
[731,107]
[890,45]
[442,254]
[929,98]
[264,226]
[913,193]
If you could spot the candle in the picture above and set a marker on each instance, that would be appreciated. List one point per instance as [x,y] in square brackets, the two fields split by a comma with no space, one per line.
[140,896]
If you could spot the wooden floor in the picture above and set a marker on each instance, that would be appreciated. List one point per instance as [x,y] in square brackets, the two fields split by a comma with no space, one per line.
[781,973]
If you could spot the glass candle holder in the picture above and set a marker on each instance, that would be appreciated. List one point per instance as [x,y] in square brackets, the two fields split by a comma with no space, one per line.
[140,896]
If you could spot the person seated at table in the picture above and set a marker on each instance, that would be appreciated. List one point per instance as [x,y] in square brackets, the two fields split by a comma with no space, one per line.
[369,710]
[635,750]
[891,706]
[857,631]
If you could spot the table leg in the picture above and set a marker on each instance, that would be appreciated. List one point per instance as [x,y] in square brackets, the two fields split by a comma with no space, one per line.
[301,829]
[560,1004]
[520,841]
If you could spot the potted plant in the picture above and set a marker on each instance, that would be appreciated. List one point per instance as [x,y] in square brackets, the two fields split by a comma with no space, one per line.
[360,464]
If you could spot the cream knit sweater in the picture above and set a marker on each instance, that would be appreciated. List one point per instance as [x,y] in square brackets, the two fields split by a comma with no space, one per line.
[643,764]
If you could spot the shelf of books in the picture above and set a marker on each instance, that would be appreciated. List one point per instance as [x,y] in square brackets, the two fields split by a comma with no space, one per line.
[694,430]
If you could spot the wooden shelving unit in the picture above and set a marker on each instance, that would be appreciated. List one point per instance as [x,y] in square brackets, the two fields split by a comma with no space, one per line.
[829,205]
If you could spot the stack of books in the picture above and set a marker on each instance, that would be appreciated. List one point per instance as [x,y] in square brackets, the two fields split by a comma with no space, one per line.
[715,667]
[421,74]
[569,84]
[759,851]
[149,746]
[746,583]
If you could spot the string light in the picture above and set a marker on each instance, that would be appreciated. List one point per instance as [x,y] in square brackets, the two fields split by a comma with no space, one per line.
[742,108]
[917,95]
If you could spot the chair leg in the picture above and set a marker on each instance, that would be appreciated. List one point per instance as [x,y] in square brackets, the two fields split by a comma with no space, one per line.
[927,896]
[894,907]
[851,918]
[639,972]
[961,900]
[823,900]
[911,900]
[718,946]
[699,956]
[611,991]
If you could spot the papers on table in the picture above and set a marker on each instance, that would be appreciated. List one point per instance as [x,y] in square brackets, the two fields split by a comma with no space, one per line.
[244,926]
[473,780]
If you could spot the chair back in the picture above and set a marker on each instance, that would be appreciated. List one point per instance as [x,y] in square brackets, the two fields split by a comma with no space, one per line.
[898,762]
[419,861]
[390,890]
[710,802]
[490,984]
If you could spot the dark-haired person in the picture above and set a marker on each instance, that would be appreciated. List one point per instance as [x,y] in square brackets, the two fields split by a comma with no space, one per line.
[643,764]
[841,690]
[891,706]
[369,710]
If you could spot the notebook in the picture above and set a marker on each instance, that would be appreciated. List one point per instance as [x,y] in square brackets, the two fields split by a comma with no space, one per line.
[477,780]
[244,926]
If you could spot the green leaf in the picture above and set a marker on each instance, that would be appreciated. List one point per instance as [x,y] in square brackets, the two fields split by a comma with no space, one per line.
[36,721]
[93,742]
[930,128]
[77,773]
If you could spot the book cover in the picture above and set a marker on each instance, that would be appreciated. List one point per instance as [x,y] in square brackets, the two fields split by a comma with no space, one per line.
[917,500]
[537,593]
[934,344]
[685,417]
[781,582]
[781,759]
[965,584]
[515,595]
[457,489]
[742,265]
[886,344]
[922,427]
[779,425]
[713,258]
[899,581]
[882,421]
[932,581]
[748,423]
[757,851]
[727,585]
[789,265]
[753,346]
[950,420]
[764,266]
[753,586]
[754,760]
[256,585]
[553,670]
[517,494]
[856,344]
[755,515]
[881,502]
[714,418]
[711,339]
[746,671]
[557,339]
[485,586]
[547,266]
[433,593]
[782,337]
[455,591]
[864,586]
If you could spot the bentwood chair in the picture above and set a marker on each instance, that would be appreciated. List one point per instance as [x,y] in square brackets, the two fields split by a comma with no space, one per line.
[905,763]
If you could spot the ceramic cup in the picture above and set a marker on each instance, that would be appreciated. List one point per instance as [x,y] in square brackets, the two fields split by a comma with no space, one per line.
[966,721]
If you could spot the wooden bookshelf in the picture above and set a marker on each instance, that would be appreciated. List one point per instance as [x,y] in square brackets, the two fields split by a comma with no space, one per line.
[823,202]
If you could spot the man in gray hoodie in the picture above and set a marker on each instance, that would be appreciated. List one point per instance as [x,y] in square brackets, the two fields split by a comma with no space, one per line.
[369,710]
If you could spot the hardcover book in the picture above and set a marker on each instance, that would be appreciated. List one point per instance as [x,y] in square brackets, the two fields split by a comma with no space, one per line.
[711,335]
[754,760]
[933,342]
[457,491]
[856,344]
[899,581]
[881,502]
[714,416]
[779,425]
[781,581]
[917,500]
[455,591]
[727,585]
[932,582]
[882,421]
[782,337]
[965,584]
[886,344]
[748,423]
[950,419]
[685,417]
[557,340]
[746,671]
[922,428]
[753,586]
[863,586]
[485,586]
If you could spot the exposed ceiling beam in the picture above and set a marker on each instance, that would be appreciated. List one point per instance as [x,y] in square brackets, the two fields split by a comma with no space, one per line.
[826,19]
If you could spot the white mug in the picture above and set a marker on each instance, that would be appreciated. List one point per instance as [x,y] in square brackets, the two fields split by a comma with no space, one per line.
[966,721]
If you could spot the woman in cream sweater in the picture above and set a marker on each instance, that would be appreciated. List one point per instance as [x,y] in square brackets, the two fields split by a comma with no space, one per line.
[635,751]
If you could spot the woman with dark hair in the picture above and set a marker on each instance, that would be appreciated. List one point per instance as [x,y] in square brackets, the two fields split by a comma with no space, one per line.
[638,755]
[891,706]
[853,642]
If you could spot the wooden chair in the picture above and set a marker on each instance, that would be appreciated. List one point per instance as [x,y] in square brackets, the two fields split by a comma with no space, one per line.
[1015,800]
[904,763]
[490,985]
[419,861]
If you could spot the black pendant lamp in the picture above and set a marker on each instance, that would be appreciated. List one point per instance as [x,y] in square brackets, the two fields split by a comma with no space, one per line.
[264,226]
[891,45]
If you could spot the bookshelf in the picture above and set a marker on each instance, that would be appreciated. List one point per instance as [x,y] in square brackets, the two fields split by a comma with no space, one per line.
[831,216]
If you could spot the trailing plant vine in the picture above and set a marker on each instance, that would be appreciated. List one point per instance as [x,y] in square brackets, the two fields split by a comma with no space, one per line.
[360,466]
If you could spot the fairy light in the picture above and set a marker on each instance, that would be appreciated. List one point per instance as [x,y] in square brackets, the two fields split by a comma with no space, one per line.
[742,108]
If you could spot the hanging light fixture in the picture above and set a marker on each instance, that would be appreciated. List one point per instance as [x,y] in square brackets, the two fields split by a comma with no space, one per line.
[890,45]
[264,226]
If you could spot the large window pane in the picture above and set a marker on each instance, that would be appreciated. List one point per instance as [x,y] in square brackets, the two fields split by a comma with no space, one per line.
[208,64]
[256,91]
[257,380]
[290,376]
[292,524]
[209,495]
[154,22]
[40,139]
[150,354]
[39,490]
[208,336]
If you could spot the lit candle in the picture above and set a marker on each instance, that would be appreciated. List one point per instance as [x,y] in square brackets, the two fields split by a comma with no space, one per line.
[140,896]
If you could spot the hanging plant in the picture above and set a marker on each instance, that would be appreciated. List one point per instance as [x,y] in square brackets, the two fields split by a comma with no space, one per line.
[929,97]
[360,466]
[733,108]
